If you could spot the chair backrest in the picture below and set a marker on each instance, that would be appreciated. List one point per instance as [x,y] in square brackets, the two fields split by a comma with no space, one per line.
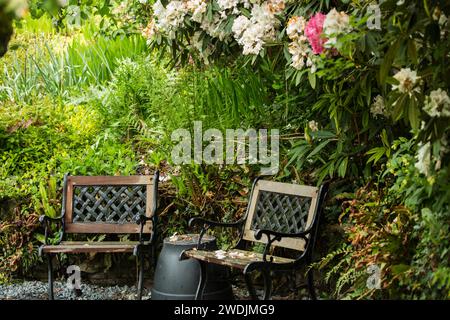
[281,207]
[108,204]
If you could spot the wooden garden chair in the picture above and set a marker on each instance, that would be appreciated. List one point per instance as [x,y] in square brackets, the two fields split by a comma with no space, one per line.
[278,214]
[105,205]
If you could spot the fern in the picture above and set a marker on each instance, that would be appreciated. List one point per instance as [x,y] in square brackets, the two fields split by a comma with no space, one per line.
[322,263]
[347,278]
[334,270]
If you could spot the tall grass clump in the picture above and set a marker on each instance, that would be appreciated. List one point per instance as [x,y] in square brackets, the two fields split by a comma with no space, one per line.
[61,72]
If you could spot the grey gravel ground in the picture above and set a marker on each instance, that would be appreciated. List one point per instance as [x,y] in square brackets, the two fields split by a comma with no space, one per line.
[37,290]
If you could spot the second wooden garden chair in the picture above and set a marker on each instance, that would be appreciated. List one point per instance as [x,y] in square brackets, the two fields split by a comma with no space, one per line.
[278,214]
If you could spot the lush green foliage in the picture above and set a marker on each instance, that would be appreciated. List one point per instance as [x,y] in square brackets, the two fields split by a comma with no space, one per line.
[370,93]
[368,114]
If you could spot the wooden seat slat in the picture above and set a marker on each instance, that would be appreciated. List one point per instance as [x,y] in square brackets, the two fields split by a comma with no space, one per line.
[234,258]
[86,247]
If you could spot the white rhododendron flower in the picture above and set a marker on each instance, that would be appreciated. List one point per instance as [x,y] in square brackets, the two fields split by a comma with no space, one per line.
[313,125]
[215,28]
[299,51]
[197,8]
[439,16]
[407,81]
[336,23]
[438,104]
[443,20]
[423,157]
[378,107]
[175,12]
[276,6]
[170,18]
[252,33]
[227,4]
[262,15]
[240,24]
[251,39]
[295,27]
[299,48]
[158,9]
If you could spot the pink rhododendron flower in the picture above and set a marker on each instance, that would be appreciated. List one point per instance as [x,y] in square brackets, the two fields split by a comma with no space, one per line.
[313,32]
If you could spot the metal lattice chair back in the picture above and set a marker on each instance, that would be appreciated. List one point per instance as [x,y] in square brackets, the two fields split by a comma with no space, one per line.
[283,208]
[112,204]
[109,203]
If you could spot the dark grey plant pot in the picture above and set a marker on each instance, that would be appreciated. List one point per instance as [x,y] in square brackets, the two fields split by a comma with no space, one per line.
[178,280]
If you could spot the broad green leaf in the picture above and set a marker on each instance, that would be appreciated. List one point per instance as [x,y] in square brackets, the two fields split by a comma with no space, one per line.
[343,167]
[388,60]
[312,79]
[323,134]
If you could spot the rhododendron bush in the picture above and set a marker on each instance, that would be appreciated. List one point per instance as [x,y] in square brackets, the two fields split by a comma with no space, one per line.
[402,69]
[376,77]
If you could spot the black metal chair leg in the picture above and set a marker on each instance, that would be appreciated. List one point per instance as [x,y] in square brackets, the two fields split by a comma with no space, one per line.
[267,285]
[251,289]
[50,277]
[141,275]
[202,280]
[311,289]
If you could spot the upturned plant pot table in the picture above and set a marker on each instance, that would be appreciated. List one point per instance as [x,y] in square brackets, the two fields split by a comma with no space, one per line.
[178,280]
